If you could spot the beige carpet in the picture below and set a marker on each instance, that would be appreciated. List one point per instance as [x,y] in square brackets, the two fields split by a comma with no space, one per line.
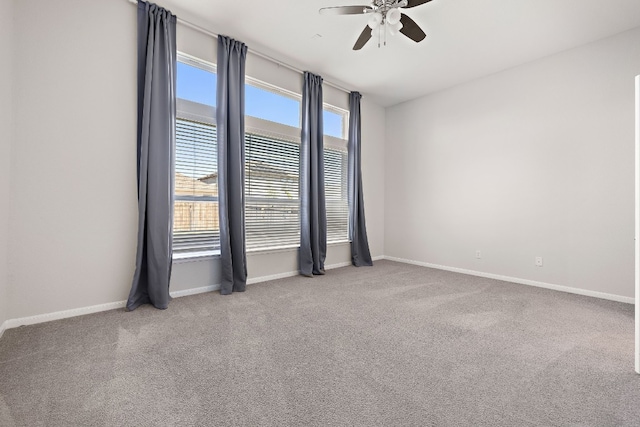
[390,345]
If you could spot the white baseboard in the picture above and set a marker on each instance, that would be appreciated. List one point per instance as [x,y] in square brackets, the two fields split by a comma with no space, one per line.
[339,265]
[261,279]
[48,317]
[3,327]
[194,291]
[528,282]
[41,318]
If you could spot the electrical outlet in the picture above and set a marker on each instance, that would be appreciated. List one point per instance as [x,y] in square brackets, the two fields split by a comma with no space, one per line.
[478,255]
[538,261]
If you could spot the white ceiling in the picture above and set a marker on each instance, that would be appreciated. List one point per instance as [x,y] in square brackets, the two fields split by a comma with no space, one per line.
[466,39]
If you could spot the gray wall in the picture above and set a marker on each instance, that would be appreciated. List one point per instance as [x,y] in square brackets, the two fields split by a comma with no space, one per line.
[73,210]
[6,136]
[534,161]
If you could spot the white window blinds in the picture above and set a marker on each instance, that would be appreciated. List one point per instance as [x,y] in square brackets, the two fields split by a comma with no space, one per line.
[335,188]
[272,163]
[272,200]
[195,221]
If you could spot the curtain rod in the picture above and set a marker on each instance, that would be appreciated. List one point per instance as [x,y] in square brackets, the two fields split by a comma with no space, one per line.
[255,52]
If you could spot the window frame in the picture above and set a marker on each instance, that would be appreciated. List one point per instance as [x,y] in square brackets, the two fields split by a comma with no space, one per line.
[339,144]
[206,114]
[263,128]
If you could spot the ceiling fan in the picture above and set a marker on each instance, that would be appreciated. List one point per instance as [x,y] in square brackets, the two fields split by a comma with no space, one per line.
[385,15]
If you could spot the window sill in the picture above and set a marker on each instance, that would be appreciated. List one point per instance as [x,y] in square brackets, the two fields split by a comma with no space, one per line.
[290,248]
[195,256]
[339,242]
[273,249]
[208,255]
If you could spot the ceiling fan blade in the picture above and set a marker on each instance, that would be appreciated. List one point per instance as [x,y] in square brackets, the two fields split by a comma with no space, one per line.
[363,39]
[414,3]
[344,10]
[411,29]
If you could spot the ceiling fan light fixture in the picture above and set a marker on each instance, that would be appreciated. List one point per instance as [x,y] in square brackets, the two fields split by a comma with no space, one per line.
[385,16]
[375,20]
[393,16]
[395,28]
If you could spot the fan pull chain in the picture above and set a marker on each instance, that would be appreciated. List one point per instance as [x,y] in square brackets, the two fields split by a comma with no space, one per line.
[385,33]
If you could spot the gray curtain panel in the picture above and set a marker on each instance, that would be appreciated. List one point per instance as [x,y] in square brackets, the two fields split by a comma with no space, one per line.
[360,255]
[313,216]
[156,151]
[232,55]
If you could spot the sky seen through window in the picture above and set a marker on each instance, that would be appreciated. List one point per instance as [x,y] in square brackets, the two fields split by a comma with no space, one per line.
[198,85]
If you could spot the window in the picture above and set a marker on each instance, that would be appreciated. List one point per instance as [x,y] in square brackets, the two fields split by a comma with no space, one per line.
[272,162]
[195,223]
[270,103]
[272,207]
[335,173]
[334,121]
